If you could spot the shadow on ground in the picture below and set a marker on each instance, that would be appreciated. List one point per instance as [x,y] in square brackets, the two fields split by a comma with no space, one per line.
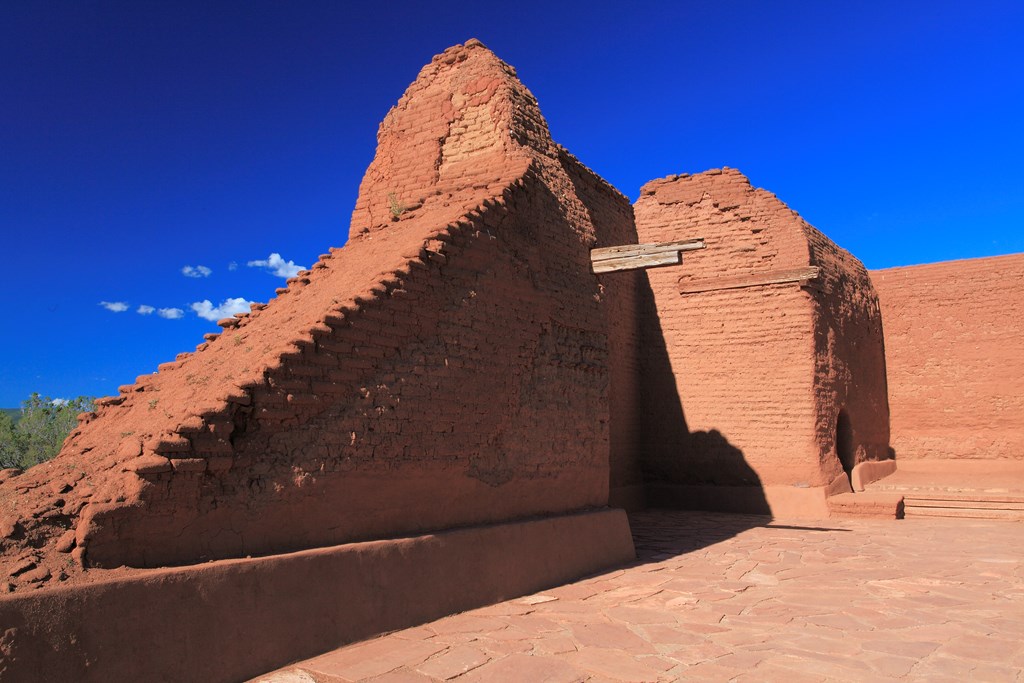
[659,534]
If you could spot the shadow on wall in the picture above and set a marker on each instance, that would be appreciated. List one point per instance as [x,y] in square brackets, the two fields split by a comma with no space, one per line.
[845,446]
[683,469]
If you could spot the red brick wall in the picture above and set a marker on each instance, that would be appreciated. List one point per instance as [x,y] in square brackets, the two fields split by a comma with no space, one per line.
[955,357]
[849,356]
[745,383]
[449,366]
[623,295]
[471,390]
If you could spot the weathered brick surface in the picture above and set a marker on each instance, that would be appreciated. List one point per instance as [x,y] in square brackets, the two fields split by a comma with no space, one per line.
[457,363]
[955,357]
[744,385]
[449,366]
[624,295]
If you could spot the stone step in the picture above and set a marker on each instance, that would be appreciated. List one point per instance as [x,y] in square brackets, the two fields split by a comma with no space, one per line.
[949,493]
[965,513]
[991,479]
[971,490]
[876,505]
[973,502]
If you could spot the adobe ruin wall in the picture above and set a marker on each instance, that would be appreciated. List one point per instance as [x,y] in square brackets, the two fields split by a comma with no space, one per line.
[457,365]
[625,296]
[449,367]
[955,358]
[750,358]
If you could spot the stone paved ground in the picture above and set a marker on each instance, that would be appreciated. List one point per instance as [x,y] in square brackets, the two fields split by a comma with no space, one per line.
[728,597]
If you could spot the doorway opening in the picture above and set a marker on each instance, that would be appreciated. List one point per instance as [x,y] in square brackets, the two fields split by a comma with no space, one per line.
[844,442]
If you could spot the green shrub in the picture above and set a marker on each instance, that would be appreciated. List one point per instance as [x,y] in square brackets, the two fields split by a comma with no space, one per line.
[37,434]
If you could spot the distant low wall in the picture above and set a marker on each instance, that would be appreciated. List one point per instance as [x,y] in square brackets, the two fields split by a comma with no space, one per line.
[235,619]
[954,347]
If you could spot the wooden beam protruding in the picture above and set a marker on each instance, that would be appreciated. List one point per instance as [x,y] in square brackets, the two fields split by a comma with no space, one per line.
[768,277]
[633,256]
[634,262]
[606,253]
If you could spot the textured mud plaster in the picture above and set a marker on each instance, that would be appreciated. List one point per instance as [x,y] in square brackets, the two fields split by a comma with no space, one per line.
[231,620]
[954,339]
[450,366]
[746,380]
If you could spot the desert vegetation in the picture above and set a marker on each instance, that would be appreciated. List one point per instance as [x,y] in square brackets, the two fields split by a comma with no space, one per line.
[35,433]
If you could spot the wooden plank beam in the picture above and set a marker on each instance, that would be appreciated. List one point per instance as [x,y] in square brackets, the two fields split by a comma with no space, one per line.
[768,277]
[640,261]
[630,250]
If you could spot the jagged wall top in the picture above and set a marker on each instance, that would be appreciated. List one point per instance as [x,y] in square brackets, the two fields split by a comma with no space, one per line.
[220,439]
[462,128]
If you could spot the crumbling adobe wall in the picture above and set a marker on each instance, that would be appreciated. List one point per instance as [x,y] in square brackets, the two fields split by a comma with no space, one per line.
[955,357]
[448,367]
[850,375]
[759,371]
[624,295]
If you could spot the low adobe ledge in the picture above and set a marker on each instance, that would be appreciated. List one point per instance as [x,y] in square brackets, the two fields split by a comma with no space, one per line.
[235,619]
[780,502]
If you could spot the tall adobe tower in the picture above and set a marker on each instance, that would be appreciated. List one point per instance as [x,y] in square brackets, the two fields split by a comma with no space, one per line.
[448,367]
[770,340]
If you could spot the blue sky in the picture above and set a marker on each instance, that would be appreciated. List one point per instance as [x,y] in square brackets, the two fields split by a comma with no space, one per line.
[141,138]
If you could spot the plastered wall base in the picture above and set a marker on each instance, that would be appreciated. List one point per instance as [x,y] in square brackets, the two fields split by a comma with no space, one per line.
[870,471]
[234,619]
[629,498]
[781,502]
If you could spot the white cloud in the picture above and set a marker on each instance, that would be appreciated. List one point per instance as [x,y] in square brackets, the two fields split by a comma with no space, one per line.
[196,271]
[170,313]
[277,265]
[233,265]
[59,402]
[206,310]
[144,309]
[115,306]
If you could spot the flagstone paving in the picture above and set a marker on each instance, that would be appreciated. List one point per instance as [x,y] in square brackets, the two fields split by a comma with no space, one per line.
[737,598]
